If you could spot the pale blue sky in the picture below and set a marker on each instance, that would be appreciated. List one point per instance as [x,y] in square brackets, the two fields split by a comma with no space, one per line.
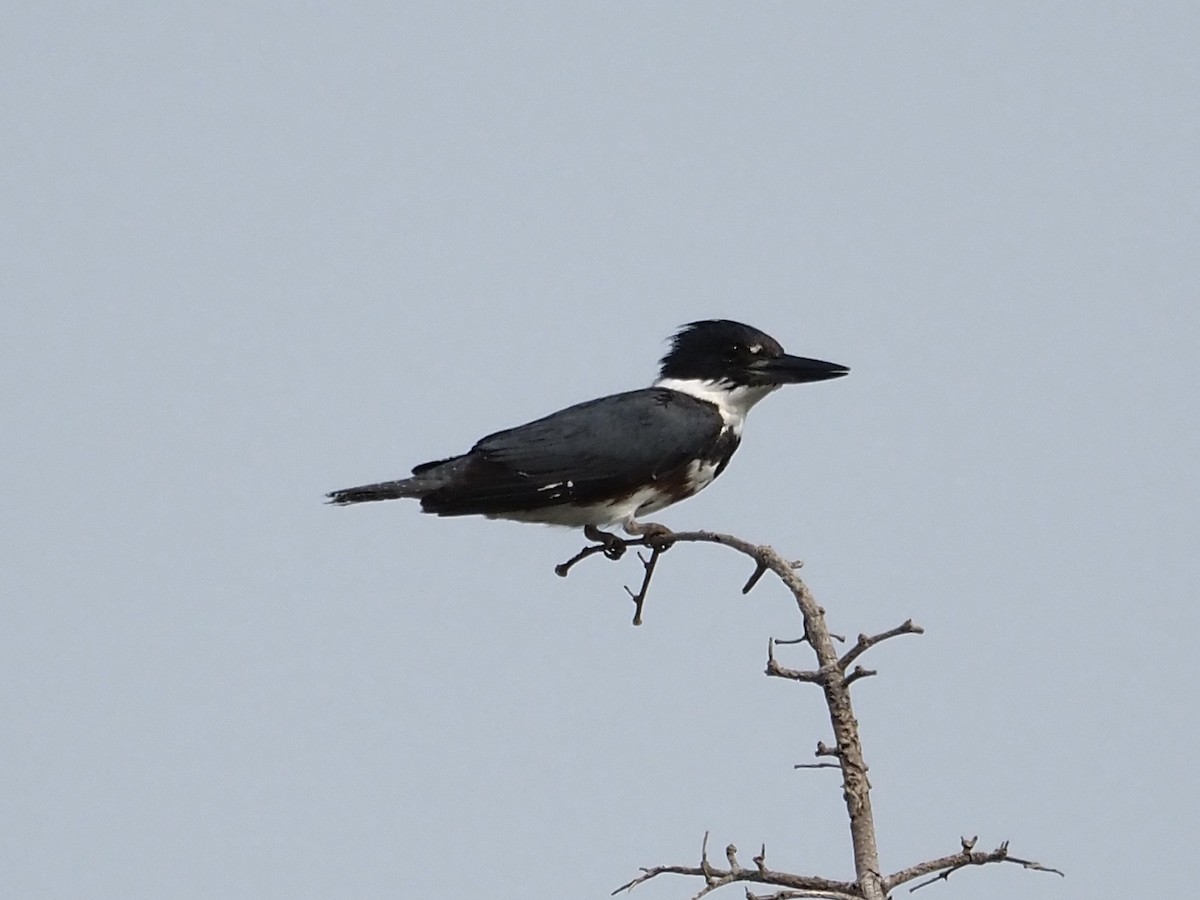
[253,252]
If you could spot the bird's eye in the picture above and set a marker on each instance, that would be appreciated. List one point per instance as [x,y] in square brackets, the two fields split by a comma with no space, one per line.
[744,353]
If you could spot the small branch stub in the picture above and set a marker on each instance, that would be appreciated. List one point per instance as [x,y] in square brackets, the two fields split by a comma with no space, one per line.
[859,672]
[731,858]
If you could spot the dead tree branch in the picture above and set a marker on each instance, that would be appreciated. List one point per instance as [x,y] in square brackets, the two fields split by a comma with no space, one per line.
[834,681]
[804,885]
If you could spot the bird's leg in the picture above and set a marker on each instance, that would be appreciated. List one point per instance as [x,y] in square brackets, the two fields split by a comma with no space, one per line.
[658,537]
[614,547]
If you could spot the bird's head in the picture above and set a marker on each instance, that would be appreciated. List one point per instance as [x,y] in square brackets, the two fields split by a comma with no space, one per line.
[730,354]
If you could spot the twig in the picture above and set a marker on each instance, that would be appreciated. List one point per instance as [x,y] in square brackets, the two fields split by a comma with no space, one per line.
[859,672]
[759,571]
[564,568]
[640,597]
[707,869]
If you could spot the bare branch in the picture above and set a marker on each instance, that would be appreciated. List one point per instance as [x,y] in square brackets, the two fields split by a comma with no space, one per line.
[788,895]
[866,642]
[775,670]
[945,866]
[807,885]
[613,547]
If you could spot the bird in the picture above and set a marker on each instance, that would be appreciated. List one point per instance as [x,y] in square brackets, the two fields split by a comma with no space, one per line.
[606,462]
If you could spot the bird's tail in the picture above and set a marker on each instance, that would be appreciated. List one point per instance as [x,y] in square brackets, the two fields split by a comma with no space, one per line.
[384,490]
[427,478]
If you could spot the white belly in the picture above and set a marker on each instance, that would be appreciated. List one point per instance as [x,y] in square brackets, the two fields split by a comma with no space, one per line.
[641,502]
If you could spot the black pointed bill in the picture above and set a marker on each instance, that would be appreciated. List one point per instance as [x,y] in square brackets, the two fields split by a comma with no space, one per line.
[787,369]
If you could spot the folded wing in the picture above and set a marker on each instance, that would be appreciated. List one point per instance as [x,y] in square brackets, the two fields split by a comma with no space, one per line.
[587,453]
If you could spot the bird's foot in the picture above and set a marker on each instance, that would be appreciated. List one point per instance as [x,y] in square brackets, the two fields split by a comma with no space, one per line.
[614,547]
[658,537]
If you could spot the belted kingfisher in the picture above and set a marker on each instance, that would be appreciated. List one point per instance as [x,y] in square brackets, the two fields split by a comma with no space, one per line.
[607,461]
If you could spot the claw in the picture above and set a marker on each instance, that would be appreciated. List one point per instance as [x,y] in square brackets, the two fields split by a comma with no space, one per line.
[658,537]
[614,547]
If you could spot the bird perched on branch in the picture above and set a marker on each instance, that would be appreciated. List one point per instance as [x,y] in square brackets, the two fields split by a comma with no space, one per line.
[607,461]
